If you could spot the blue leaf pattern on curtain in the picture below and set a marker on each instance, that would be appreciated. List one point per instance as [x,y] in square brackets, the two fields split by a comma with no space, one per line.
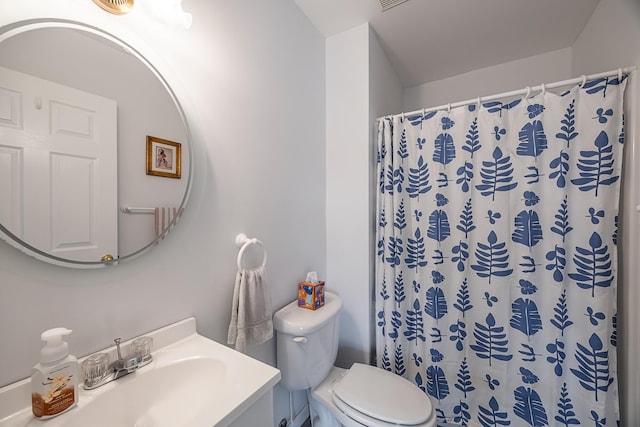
[487,296]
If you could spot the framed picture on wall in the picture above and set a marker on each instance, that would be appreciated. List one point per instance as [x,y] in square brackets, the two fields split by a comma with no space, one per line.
[163,157]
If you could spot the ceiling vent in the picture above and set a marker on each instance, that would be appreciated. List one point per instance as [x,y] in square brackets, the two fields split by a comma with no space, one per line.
[388,4]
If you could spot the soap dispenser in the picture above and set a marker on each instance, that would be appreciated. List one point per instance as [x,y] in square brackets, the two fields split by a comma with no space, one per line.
[54,381]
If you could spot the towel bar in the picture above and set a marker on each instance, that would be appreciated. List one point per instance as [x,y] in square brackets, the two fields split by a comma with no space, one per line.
[243,242]
[131,210]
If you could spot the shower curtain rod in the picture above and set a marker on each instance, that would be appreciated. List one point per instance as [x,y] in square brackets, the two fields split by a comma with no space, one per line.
[526,91]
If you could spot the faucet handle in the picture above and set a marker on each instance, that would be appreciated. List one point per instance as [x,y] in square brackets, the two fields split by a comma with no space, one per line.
[141,348]
[95,367]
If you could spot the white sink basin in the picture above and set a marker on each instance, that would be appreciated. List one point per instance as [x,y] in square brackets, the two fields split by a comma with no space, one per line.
[191,382]
[150,397]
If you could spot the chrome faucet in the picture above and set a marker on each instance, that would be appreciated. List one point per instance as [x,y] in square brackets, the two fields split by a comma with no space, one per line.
[97,370]
[124,366]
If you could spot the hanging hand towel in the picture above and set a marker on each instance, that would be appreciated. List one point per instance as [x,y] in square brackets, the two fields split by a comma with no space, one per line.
[251,309]
[163,220]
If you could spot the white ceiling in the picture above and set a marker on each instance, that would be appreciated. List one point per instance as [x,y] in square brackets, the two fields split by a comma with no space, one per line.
[428,40]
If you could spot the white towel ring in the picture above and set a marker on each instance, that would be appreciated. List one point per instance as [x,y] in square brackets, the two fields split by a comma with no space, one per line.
[243,242]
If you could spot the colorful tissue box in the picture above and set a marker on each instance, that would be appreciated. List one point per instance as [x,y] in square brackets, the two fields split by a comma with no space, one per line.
[310,295]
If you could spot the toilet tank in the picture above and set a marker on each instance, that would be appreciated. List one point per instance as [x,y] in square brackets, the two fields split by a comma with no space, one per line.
[307,342]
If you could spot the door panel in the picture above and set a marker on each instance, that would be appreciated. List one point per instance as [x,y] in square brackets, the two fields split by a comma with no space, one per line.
[67,167]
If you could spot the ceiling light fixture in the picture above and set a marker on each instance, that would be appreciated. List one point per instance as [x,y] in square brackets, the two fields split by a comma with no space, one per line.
[168,11]
[117,7]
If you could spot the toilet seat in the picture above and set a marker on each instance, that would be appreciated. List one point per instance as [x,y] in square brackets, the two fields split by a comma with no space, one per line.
[358,394]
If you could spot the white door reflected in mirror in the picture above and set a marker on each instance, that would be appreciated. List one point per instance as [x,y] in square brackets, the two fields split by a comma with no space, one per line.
[60,145]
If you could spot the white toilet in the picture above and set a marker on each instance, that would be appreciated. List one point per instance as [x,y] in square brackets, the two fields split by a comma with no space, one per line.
[307,345]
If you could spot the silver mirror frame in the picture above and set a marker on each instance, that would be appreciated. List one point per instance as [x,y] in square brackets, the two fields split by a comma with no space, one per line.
[18,27]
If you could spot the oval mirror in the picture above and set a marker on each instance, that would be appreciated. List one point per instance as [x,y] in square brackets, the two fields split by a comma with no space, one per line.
[95,150]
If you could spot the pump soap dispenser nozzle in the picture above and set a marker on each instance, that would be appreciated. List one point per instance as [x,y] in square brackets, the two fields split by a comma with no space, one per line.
[55,349]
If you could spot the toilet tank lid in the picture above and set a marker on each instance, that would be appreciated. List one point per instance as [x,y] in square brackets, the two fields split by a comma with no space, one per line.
[295,320]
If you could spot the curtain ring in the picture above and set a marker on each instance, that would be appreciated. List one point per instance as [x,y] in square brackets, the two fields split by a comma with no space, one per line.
[543,89]
[449,108]
[619,74]
[584,80]
[526,96]
[402,115]
[478,102]
[424,112]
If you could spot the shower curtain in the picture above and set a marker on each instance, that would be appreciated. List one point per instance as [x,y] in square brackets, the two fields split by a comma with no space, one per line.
[496,256]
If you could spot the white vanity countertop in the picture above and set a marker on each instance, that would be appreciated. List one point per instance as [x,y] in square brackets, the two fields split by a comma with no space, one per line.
[237,382]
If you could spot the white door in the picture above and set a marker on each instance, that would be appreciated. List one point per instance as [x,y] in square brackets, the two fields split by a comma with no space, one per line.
[58,167]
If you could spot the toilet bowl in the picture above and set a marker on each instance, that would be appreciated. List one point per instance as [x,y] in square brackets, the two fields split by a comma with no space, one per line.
[307,343]
[409,407]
